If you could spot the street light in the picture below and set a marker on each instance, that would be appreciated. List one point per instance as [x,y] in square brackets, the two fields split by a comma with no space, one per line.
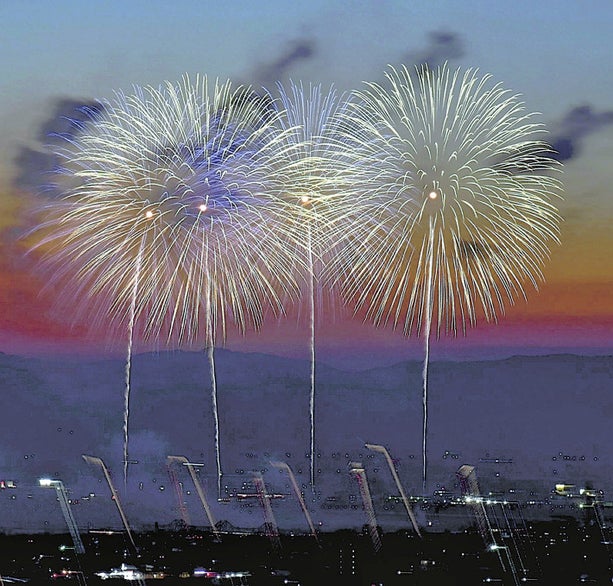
[359,472]
[66,510]
[270,524]
[98,462]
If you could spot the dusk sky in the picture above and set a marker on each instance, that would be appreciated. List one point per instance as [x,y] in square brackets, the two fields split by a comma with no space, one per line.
[556,54]
[66,397]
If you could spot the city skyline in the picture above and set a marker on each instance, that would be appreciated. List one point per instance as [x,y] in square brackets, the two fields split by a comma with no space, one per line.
[525,424]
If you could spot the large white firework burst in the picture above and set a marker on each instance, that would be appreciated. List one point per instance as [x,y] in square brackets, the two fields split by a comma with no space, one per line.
[175,184]
[170,220]
[465,211]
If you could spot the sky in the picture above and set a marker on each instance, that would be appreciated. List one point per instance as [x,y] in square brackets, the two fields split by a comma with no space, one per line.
[555,54]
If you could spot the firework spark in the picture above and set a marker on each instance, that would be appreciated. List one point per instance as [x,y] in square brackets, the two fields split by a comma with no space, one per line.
[465,209]
[170,219]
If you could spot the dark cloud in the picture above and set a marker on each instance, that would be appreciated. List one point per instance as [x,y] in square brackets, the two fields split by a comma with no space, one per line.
[69,117]
[473,248]
[35,166]
[441,46]
[279,69]
[248,97]
[576,125]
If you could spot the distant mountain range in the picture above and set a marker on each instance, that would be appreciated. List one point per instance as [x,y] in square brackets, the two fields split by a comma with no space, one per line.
[523,422]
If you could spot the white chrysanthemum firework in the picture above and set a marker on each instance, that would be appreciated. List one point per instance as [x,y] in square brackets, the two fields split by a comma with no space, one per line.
[465,209]
[172,191]
[170,219]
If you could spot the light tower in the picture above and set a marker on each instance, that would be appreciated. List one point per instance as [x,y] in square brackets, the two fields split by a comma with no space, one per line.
[179,493]
[62,496]
[470,490]
[191,467]
[358,471]
[592,500]
[292,478]
[115,496]
[405,500]
[270,524]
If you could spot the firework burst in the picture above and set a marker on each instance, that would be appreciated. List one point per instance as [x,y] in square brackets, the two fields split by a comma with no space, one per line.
[321,195]
[465,209]
[170,221]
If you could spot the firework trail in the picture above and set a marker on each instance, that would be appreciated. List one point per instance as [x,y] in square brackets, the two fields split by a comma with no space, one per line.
[170,219]
[465,209]
[128,369]
[311,281]
[320,195]
[213,375]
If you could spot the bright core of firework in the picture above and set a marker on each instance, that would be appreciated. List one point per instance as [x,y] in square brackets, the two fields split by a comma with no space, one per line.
[433,195]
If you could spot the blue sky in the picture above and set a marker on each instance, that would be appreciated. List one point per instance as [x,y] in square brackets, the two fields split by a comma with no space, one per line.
[555,53]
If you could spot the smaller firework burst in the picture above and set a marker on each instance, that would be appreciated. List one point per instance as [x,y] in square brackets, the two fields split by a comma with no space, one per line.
[322,198]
